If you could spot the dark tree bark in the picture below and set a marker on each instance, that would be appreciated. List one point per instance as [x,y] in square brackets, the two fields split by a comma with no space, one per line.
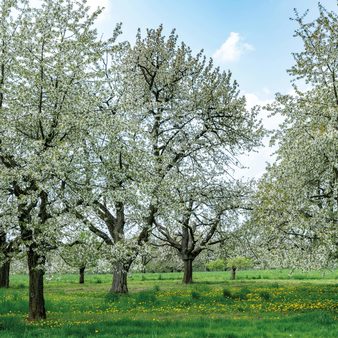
[120,279]
[5,265]
[37,309]
[187,276]
[233,273]
[82,277]
[120,284]
[4,274]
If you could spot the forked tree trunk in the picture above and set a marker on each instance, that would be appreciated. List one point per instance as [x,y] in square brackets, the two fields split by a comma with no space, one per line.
[187,277]
[233,273]
[120,276]
[82,271]
[37,309]
[4,274]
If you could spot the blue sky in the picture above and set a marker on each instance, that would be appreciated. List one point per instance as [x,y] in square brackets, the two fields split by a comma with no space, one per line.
[254,39]
[263,24]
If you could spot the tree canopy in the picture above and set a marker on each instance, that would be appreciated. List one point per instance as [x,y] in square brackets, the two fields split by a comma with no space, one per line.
[298,196]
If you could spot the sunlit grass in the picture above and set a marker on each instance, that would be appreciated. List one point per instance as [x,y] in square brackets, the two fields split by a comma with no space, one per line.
[163,307]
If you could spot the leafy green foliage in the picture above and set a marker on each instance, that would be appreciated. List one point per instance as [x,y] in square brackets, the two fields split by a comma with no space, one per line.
[216,265]
[239,262]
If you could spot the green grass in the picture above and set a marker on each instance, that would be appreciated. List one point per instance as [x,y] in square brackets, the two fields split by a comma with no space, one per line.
[160,306]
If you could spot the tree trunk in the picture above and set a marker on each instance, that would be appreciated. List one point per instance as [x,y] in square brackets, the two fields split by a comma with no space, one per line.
[120,275]
[5,265]
[233,273]
[82,270]
[187,277]
[4,274]
[144,263]
[37,309]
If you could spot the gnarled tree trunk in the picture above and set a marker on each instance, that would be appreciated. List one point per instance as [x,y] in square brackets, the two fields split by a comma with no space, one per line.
[4,274]
[37,309]
[82,278]
[187,276]
[120,276]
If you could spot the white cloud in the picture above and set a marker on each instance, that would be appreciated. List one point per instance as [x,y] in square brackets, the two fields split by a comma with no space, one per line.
[253,100]
[232,49]
[269,122]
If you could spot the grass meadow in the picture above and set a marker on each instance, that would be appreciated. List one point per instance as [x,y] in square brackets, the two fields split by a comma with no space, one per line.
[257,304]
